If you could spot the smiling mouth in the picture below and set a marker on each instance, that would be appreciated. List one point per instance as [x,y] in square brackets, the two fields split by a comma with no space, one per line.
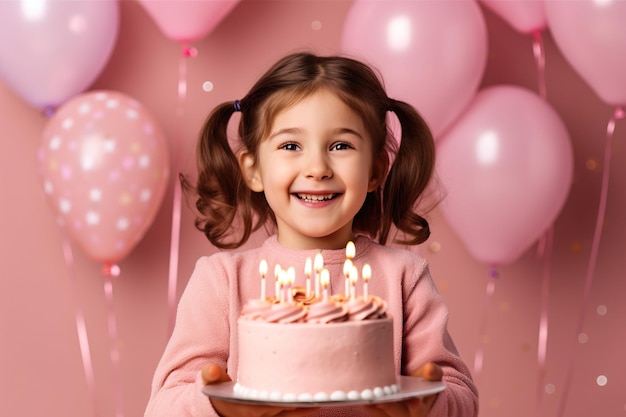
[315,198]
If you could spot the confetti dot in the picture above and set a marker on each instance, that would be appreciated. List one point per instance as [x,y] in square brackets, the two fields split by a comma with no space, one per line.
[434,247]
[550,389]
[591,164]
[575,246]
[583,338]
[207,86]
[316,25]
[601,310]
[602,380]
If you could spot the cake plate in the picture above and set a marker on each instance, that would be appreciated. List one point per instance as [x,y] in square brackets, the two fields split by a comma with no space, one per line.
[410,387]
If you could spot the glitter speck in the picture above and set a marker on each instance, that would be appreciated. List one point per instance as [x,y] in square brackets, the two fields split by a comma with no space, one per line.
[207,86]
[601,310]
[591,164]
[316,25]
[583,338]
[435,247]
[602,380]
[550,388]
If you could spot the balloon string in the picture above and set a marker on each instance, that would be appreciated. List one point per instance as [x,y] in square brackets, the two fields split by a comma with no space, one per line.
[482,331]
[81,328]
[542,343]
[540,59]
[113,337]
[172,287]
[593,257]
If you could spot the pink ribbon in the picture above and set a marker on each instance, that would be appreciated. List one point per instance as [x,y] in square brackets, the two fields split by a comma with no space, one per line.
[172,286]
[482,330]
[595,245]
[81,328]
[109,271]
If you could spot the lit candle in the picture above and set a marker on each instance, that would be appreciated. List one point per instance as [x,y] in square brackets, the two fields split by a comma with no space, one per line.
[325,280]
[291,279]
[263,272]
[277,270]
[366,273]
[308,268]
[318,264]
[282,279]
[354,276]
[347,267]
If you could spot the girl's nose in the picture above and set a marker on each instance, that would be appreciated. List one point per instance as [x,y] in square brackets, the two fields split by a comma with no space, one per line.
[317,167]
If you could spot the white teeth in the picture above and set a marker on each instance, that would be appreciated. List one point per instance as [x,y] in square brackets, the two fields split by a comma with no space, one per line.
[315,197]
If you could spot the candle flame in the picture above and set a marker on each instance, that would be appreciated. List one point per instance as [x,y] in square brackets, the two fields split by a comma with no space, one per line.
[325,278]
[318,263]
[347,267]
[350,250]
[291,275]
[354,274]
[263,267]
[367,272]
[308,267]
[277,270]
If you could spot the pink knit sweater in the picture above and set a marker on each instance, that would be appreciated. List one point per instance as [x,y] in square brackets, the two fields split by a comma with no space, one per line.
[206,324]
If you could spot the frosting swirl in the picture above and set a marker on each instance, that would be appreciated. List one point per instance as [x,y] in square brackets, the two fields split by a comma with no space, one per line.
[255,308]
[372,308]
[284,313]
[327,312]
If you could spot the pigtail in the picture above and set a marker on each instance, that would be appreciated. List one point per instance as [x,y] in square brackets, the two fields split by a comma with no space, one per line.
[221,189]
[408,177]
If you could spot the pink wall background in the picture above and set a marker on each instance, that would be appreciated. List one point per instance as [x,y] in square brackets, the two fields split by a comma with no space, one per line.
[40,363]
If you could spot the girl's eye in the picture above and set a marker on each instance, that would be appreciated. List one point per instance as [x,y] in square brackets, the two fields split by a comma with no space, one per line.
[340,146]
[289,146]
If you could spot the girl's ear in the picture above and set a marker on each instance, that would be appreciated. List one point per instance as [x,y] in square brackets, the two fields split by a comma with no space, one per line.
[380,167]
[250,171]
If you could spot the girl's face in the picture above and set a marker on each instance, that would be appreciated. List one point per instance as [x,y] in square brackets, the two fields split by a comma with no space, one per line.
[315,169]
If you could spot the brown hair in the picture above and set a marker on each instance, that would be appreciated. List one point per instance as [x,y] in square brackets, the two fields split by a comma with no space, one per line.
[222,192]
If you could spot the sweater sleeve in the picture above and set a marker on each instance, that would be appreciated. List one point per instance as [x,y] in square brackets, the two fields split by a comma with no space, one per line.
[200,336]
[426,338]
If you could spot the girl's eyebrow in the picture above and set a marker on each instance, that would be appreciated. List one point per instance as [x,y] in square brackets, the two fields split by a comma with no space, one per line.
[295,130]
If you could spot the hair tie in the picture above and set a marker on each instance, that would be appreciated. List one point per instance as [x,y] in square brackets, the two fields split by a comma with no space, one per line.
[237,105]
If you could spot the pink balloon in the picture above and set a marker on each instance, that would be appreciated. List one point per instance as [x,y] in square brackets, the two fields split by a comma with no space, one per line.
[187,20]
[591,34]
[507,167]
[53,50]
[525,16]
[431,54]
[105,165]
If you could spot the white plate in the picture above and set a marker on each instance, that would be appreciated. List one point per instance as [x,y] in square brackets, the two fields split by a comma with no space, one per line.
[410,387]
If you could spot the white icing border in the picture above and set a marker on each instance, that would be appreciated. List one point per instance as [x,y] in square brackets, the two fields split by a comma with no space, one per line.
[276,396]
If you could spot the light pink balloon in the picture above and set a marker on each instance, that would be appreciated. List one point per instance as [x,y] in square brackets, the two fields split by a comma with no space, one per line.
[52,50]
[525,16]
[506,165]
[187,20]
[591,34]
[431,54]
[105,166]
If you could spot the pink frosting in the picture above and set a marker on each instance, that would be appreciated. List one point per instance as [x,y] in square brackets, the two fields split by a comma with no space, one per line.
[255,308]
[327,312]
[284,313]
[372,308]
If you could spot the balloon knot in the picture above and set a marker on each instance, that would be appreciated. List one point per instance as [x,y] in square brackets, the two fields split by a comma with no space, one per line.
[111,270]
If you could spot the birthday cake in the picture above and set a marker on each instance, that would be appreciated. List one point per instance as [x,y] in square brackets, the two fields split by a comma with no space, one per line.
[304,345]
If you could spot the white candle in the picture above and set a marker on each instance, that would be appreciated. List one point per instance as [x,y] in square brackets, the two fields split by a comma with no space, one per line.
[263,272]
[325,280]
[291,279]
[308,268]
[282,279]
[347,267]
[366,273]
[277,270]
[354,276]
[318,264]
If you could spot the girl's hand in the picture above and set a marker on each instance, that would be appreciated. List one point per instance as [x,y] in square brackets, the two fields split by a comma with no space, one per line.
[213,374]
[414,407]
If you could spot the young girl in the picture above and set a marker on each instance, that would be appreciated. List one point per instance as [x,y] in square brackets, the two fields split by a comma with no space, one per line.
[318,163]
